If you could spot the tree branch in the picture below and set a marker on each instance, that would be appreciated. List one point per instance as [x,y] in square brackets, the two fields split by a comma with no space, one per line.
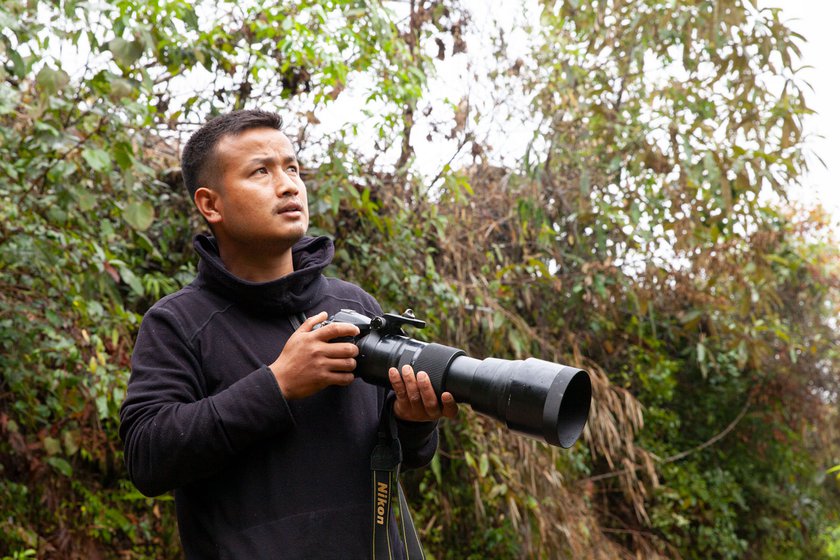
[681,455]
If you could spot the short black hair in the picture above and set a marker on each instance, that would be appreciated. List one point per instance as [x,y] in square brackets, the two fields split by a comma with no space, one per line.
[199,153]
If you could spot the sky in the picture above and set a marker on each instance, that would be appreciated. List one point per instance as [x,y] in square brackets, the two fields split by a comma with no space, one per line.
[817,20]
[820,61]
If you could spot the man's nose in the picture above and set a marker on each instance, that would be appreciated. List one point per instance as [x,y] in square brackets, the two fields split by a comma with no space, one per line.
[285,185]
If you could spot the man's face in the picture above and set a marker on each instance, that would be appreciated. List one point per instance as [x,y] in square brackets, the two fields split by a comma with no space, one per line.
[261,199]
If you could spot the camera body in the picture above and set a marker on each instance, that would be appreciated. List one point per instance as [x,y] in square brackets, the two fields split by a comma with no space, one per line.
[543,400]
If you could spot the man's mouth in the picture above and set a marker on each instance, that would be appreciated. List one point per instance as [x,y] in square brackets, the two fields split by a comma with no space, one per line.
[288,208]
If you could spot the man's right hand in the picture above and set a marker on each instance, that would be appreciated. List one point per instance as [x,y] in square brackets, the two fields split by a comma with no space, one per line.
[310,362]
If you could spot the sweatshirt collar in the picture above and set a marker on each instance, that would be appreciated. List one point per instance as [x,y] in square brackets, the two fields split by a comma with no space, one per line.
[293,293]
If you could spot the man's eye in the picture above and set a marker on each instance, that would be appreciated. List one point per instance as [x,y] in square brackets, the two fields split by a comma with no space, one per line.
[261,171]
[293,170]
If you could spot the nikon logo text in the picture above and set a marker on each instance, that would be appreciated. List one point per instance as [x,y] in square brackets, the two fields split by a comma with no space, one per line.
[381,501]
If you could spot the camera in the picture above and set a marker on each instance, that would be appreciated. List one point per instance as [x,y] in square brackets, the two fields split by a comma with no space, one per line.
[540,399]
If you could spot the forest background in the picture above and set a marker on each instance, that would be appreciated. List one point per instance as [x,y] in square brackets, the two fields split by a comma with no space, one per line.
[642,229]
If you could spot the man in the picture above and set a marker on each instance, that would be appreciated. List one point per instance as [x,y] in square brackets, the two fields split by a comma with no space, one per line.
[258,424]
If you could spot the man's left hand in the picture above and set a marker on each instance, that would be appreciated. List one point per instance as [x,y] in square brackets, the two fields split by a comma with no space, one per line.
[416,399]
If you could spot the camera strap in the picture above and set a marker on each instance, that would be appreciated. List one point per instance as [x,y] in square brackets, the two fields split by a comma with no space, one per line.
[385,464]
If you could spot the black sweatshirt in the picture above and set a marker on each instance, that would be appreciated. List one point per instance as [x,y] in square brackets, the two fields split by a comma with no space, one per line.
[255,475]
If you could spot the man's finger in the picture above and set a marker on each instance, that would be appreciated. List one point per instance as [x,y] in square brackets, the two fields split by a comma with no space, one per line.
[314,320]
[427,393]
[341,379]
[340,350]
[449,406]
[397,383]
[342,365]
[336,330]
[410,382]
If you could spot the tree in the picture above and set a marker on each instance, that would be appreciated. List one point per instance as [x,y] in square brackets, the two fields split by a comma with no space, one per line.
[665,127]
[95,225]
[635,238]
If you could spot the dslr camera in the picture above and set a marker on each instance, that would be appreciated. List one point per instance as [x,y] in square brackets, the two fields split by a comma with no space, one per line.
[540,399]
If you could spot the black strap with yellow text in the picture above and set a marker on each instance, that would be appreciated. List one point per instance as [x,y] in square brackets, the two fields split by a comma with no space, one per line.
[385,464]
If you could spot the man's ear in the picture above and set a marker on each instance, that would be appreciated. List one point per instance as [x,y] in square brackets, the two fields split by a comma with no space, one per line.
[209,203]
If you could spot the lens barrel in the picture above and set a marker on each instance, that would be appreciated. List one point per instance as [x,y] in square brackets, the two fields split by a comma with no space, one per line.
[540,399]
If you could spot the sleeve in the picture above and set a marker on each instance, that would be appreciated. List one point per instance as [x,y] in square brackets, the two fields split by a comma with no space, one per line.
[174,433]
[419,442]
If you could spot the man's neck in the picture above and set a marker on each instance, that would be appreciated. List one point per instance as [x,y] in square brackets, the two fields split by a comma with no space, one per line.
[257,267]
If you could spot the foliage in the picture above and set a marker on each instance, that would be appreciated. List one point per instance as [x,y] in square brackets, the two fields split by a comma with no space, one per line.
[95,226]
[692,116]
[644,235]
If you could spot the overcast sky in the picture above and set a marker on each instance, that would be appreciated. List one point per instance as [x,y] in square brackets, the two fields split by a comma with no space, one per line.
[817,21]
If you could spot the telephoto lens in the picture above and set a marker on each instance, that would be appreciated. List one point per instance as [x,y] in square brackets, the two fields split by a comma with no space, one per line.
[543,400]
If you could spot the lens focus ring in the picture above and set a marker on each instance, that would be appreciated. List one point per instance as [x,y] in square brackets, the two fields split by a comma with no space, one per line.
[435,359]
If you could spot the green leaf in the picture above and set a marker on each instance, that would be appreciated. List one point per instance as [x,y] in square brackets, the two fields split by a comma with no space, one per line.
[435,466]
[60,465]
[98,160]
[121,88]
[469,459]
[139,215]
[701,359]
[483,465]
[51,81]
[124,155]
[131,279]
[52,446]
[125,52]
[71,440]
[86,200]
[19,65]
